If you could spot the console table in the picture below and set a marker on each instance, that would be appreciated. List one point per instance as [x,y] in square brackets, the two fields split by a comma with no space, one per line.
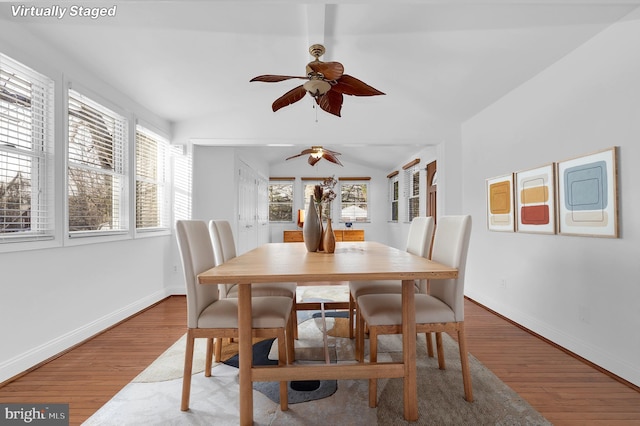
[341,235]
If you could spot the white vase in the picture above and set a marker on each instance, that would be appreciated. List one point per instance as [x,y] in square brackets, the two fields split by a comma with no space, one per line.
[311,230]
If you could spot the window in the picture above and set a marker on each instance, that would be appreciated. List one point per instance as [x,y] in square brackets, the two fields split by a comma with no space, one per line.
[26,153]
[412,189]
[97,171]
[280,200]
[181,157]
[354,205]
[308,190]
[394,195]
[152,207]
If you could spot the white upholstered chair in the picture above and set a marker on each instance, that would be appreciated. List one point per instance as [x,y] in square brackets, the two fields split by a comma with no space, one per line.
[224,248]
[440,310]
[209,316]
[418,243]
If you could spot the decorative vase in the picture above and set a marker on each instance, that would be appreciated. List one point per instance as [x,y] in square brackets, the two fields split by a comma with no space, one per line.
[321,243]
[329,239]
[311,230]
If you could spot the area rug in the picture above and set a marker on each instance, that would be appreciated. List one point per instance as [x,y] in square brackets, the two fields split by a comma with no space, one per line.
[214,400]
[266,353]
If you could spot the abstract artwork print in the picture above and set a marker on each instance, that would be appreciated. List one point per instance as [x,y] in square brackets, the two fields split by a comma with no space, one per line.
[587,195]
[535,200]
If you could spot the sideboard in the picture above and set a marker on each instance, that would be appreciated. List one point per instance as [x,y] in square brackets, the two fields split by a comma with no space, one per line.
[341,235]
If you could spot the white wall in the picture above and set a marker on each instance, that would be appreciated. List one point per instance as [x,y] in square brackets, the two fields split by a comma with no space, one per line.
[53,298]
[582,293]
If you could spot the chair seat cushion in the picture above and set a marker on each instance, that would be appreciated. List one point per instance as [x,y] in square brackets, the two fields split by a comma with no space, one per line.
[386,309]
[266,312]
[360,288]
[268,289]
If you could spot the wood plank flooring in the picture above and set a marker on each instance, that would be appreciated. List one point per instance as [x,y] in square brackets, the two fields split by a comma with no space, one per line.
[564,389]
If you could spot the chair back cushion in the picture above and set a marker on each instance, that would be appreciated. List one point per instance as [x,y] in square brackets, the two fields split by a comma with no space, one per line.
[450,247]
[419,242]
[420,233]
[227,245]
[227,242]
[215,243]
[196,251]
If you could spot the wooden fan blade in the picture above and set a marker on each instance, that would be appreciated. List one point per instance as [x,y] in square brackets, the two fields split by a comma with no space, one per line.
[304,152]
[333,152]
[352,86]
[331,102]
[330,70]
[330,157]
[294,156]
[268,78]
[313,160]
[292,96]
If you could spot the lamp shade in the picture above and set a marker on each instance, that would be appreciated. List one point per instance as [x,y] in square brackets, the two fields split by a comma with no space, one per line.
[300,218]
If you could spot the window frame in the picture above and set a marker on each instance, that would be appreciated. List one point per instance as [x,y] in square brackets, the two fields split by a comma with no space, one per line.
[343,181]
[326,206]
[122,167]
[27,134]
[393,196]
[412,189]
[289,181]
[161,182]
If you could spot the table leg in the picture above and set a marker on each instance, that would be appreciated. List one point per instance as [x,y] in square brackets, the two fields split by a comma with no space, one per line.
[409,351]
[245,354]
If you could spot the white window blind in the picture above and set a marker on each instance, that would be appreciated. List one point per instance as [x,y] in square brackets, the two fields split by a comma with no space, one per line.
[97,168]
[152,201]
[412,192]
[181,182]
[26,153]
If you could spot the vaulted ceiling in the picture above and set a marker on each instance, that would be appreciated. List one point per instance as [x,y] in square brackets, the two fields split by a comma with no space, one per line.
[438,62]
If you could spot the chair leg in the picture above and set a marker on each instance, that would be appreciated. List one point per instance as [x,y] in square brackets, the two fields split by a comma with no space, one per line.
[352,320]
[360,339]
[282,360]
[464,361]
[294,317]
[209,357]
[186,378]
[291,346]
[373,357]
[441,363]
[218,349]
[429,345]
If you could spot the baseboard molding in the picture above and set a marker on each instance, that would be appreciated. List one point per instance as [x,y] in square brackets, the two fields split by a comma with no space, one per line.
[27,361]
[606,362]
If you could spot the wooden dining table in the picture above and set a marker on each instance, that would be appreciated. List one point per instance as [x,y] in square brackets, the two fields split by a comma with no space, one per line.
[351,261]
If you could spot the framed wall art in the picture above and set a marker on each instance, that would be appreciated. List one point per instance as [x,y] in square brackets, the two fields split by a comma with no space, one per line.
[587,195]
[535,200]
[500,216]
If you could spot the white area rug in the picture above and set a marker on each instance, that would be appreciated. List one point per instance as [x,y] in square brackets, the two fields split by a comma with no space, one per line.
[153,398]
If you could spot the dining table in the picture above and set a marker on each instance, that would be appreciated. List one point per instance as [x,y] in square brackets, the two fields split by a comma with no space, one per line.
[351,261]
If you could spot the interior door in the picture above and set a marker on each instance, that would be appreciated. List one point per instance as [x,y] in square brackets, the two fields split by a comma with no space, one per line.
[247,229]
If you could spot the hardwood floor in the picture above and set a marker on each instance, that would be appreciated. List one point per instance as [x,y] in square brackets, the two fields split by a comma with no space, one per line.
[564,389]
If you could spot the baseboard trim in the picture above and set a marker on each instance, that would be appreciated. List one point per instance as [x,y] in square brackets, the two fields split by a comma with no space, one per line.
[555,345]
[26,362]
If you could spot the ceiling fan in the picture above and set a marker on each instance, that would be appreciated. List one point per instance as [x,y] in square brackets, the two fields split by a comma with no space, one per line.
[316,153]
[327,83]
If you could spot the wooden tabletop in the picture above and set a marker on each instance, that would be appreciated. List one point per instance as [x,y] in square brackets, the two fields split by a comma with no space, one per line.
[352,261]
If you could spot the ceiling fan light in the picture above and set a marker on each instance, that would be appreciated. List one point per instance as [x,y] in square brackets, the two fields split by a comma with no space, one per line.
[316,88]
